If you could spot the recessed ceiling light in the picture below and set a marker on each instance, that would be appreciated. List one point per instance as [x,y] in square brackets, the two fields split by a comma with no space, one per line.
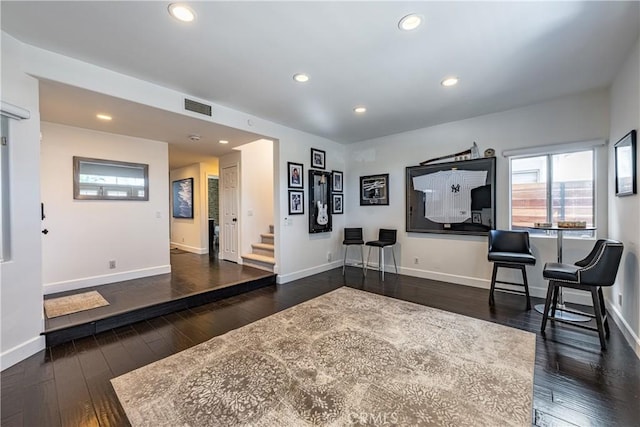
[182,12]
[410,22]
[104,117]
[360,109]
[223,141]
[449,81]
[301,77]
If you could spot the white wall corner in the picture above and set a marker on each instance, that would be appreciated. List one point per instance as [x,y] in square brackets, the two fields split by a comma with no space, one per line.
[301,274]
[625,328]
[20,352]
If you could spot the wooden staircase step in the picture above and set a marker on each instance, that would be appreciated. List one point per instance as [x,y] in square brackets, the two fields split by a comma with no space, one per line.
[260,258]
[267,237]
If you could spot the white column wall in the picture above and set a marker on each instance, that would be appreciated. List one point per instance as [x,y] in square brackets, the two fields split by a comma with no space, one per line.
[624,212]
[21,315]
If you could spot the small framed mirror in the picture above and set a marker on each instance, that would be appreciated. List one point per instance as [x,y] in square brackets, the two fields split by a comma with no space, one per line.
[98,179]
[319,201]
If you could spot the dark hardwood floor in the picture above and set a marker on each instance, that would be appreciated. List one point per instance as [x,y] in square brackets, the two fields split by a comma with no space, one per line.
[68,384]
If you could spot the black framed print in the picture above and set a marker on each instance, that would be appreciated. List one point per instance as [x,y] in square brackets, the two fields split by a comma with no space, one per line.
[318,158]
[296,202]
[337,203]
[625,151]
[374,190]
[183,198]
[336,180]
[295,175]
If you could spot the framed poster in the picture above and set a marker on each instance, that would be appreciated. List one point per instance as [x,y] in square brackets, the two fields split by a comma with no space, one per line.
[452,197]
[374,190]
[296,202]
[626,165]
[319,201]
[183,198]
[295,175]
[318,158]
[337,204]
[336,179]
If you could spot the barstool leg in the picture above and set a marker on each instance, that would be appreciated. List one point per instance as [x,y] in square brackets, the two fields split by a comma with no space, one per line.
[603,309]
[493,283]
[547,304]
[393,252]
[526,285]
[344,262]
[364,270]
[381,257]
[598,313]
[367,264]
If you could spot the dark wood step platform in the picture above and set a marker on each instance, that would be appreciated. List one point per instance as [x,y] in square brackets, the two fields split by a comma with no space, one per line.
[190,284]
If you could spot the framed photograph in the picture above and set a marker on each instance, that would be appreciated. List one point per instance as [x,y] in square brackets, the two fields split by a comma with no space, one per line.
[626,165]
[183,198]
[296,202]
[295,175]
[336,179]
[318,158]
[337,204]
[452,197]
[374,190]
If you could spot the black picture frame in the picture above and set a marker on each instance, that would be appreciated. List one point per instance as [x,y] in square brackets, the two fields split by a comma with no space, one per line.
[452,197]
[337,181]
[296,202]
[295,175]
[374,190]
[337,204]
[183,198]
[625,160]
[318,158]
[320,217]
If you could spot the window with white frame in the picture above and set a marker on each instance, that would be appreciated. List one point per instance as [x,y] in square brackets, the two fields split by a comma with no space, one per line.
[553,187]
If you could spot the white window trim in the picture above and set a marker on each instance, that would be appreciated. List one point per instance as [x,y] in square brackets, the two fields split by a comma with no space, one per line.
[566,147]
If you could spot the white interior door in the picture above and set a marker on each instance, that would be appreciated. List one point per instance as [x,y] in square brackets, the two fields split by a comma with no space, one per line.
[230,208]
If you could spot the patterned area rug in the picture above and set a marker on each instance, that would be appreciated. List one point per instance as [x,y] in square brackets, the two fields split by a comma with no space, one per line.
[345,358]
[55,307]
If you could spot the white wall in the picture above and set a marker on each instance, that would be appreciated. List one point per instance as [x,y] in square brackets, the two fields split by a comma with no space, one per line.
[84,235]
[192,234]
[624,212]
[256,197]
[20,277]
[463,259]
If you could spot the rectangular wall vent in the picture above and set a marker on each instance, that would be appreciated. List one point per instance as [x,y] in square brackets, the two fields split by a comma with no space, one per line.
[197,107]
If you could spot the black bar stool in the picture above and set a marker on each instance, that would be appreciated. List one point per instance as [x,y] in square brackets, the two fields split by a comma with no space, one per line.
[386,237]
[353,236]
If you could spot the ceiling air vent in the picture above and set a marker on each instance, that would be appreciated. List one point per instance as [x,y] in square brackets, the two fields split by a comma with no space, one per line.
[197,107]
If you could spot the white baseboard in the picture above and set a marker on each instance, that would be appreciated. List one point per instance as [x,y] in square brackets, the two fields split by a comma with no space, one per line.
[625,328]
[191,249]
[281,279]
[86,282]
[21,352]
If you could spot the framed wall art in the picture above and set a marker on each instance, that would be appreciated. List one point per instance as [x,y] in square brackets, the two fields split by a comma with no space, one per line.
[374,190]
[452,197]
[626,165]
[337,204]
[183,198]
[319,201]
[296,202]
[295,176]
[336,179]
[318,158]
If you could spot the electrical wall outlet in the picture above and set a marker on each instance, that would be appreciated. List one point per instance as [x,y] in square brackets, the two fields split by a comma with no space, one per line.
[620,300]
[112,264]
[416,260]
[329,256]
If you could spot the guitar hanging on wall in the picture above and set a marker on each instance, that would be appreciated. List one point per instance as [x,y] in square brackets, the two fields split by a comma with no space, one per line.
[322,218]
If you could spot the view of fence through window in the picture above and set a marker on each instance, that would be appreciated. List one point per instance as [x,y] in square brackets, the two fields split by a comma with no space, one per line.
[552,188]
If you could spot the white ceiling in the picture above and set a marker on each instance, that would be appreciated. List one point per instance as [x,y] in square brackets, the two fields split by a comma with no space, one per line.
[243,55]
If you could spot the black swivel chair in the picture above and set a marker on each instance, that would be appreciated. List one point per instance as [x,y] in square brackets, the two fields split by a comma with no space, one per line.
[386,238]
[353,236]
[510,249]
[598,269]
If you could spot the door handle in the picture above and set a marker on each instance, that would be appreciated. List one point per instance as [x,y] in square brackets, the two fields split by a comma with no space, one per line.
[45,231]
[235,220]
